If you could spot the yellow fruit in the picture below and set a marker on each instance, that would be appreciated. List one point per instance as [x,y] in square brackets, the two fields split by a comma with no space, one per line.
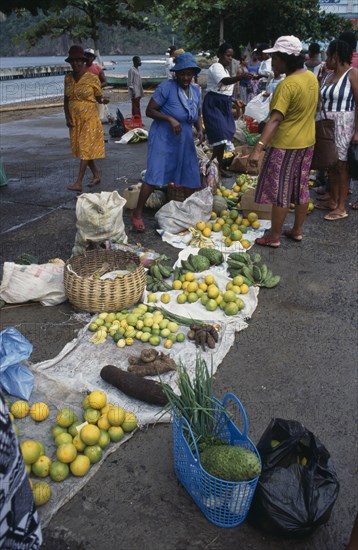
[192,297]
[65,417]
[97,399]
[234,227]
[57,430]
[130,422]
[85,403]
[121,343]
[173,327]
[252,217]
[168,344]
[103,423]
[152,297]
[94,453]
[91,416]
[177,284]
[245,243]
[211,305]
[80,466]
[238,280]
[236,188]
[78,443]
[216,227]
[90,434]
[221,221]
[236,235]
[59,471]
[224,213]
[116,416]
[63,438]
[219,299]
[106,408]
[213,216]
[256,224]
[181,298]
[231,308]
[229,286]
[204,299]
[245,222]
[213,291]
[192,287]
[229,296]
[228,242]
[41,492]
[73,428]
[244,288]
[236,289]
[115,433]
[31,451]
[240,303]
[39,411]
[104,439]
[129,341]
[19,409]
[203,287]
[66,453]
[206,232]
[41,468]
[200,226]
[189,276]
[165,298]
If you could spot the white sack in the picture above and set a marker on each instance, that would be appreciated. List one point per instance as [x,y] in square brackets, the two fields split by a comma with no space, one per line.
[38,283]
[99,219]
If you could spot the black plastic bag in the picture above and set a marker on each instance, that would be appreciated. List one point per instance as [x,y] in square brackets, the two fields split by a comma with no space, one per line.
[298,485]
[118,130]
[352,158]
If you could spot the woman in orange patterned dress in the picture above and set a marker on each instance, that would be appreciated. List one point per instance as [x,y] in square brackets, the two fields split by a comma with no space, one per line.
[82,91]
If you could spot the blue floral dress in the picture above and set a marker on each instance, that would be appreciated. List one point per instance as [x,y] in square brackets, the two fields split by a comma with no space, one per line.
[172,158]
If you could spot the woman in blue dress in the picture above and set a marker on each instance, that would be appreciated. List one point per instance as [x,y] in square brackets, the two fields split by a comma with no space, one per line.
[175,108]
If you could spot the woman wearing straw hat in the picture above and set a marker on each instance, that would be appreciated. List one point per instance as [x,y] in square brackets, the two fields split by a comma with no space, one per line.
[82,92]
[172,158]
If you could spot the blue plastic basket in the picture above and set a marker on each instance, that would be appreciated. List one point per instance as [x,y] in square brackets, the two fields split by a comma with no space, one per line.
[224,503]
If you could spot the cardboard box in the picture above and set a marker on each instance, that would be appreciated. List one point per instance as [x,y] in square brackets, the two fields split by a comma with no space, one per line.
[240,161]
[248,205]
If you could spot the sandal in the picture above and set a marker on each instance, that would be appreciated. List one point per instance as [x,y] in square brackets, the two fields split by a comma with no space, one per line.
[137,224]
[94,181]
[355,206]
[289,234]
[74,188]
[267,241]
[334,216]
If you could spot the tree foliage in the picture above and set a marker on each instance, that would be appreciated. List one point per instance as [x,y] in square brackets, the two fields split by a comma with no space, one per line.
[251,21]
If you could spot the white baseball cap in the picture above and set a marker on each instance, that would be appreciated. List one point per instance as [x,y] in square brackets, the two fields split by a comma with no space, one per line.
[90,51]
[286,44]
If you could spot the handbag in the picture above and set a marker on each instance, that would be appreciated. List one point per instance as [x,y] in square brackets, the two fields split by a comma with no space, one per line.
[325,152]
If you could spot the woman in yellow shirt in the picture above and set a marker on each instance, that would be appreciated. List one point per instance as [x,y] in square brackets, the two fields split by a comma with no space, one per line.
[289,136]
[82,91]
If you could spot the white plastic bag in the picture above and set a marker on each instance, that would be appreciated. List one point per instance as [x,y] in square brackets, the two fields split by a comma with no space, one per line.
[176,216]
[38,283]
[99,219]
[258,108]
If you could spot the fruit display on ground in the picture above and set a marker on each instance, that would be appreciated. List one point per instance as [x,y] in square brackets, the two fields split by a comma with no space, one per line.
[230,226]
[251,271]
[79,442]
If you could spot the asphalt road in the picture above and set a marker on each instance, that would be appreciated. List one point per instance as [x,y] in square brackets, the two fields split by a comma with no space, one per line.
[297,359]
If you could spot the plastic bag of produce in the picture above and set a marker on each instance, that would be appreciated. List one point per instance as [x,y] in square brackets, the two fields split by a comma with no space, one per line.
[258,108]
[99,219]
[176,216]
[298,485]
[16,379]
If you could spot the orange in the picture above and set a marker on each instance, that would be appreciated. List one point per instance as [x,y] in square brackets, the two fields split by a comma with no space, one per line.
[39,411]
[213,291]
[189,276]
[130,422]
[41,468]
[94,453]
[97,399]
[207,232]
[80,466]
[31,451]
[209,280]
[59,471]
[66,453]
[116,416]
[90,434]
[200,226]
[19,409]
[41,492]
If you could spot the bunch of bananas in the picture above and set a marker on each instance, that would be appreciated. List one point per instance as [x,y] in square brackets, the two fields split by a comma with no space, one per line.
[253,273]
[198,240]
[156,275]
[99,337]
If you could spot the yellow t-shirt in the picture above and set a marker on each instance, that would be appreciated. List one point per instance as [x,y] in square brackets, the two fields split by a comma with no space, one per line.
[296,98]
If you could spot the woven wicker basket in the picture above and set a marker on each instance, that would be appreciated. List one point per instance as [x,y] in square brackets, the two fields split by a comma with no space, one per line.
[95,295]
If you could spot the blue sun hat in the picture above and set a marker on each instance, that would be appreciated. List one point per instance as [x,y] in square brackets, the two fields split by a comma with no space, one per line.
[184,61]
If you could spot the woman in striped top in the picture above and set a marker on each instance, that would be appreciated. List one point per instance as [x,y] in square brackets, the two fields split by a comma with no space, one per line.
[340,98]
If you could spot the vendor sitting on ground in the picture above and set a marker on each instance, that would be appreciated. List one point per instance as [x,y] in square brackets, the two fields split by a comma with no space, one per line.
[172,158]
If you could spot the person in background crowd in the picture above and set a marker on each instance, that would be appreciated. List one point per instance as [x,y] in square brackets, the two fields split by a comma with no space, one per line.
[82,92]
[339,93]
[265,69]
[273,82]
[135,87]
[289,136]
[314,62]
[174,108]
[217,106]
[169,62]
[93,68]
[19,521]
[245,90]
[253,68]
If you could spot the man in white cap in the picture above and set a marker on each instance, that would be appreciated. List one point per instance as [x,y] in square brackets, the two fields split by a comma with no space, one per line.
[93,68]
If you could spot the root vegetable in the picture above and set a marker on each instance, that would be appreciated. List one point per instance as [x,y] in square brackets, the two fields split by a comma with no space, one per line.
[152,369]
[148,355]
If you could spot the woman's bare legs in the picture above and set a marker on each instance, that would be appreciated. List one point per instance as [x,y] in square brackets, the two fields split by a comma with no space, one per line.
[96,177]
[77,186]
[339,179]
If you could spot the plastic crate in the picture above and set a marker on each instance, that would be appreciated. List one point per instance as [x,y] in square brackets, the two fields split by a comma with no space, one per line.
[132,121]
[224,503]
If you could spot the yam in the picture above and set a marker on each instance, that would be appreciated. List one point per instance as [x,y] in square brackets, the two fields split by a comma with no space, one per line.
[132,385]
[153,368]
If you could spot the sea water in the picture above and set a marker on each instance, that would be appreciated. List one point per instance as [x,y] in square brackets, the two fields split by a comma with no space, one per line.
[26,89]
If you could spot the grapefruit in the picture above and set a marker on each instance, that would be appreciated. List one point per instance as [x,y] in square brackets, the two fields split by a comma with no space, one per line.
[103,423]
[104,439]
[130,422]
[41,468]
[41,492]
[90,434]
[66,453]
[19,409]
[31,451]
[65,417]
[63,438]
[97,399]
[115,433]
[78,443]
[94,453]
[73,428]
[92,416]
[80,466]
[57,430]
[39,411]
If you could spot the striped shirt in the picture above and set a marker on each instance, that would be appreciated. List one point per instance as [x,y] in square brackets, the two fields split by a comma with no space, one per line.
[339,95]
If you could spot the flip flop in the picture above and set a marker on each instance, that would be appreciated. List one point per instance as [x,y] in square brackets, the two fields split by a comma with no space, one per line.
[73,188]
[267,241]
[297,238]
[137,224]
[94,181]
[354,206]
[333,216]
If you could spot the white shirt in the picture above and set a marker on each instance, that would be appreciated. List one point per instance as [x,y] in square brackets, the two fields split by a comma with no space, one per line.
[216,73]
[265,68]
[169,63]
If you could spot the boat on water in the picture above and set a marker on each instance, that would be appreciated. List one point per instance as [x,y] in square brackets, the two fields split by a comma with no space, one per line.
[120,80]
